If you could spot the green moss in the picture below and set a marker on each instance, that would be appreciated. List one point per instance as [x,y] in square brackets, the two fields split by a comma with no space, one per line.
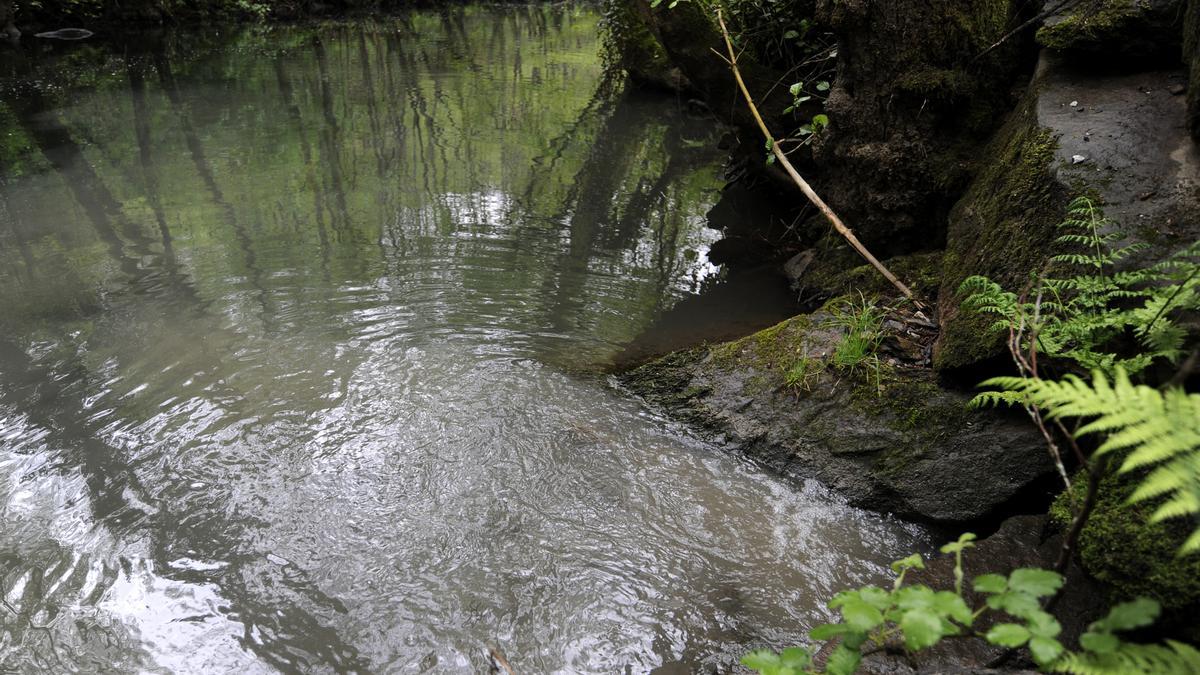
[1003,228]
[1091,25]
[772,349]
[841,274]
[1130,555]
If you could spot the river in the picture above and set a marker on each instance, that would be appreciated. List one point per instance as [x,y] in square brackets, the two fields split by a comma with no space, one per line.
[302,339]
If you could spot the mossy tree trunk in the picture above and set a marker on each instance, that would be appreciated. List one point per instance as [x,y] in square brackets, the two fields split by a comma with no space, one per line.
[910,107]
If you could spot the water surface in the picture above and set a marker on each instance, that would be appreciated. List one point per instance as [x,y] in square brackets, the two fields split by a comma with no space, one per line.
[301,328]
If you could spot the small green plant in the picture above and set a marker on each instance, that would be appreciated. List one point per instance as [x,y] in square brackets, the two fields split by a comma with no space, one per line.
[915,617]
[858,350]
[798,375]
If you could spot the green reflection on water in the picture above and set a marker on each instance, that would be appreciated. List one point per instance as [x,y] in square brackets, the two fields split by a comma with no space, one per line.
[483,152]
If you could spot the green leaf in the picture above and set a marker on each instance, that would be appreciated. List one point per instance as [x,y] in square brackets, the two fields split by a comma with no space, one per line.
[795,657]
[915,597]
[795,88]
[819,121]
[789,109]
[828,631]
[1035,582]
[1129,615]
[963,543]
[761,659]
[790,35]
[860,615]
[1017,604]
[922,628]
[1044,650]
[1099,643]
[875,596]
[822,86]
[843,661]
[1042,624]
[912,562]
[991,583]
[953,606]
[1008,635]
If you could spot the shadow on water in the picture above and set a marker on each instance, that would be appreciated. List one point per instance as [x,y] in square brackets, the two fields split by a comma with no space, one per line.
[286,314]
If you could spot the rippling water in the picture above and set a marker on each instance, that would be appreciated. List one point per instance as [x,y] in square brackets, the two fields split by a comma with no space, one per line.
[300,328]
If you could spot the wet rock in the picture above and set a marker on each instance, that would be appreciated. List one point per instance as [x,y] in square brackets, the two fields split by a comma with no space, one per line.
[891,440]
[1117,32]
[1140,162]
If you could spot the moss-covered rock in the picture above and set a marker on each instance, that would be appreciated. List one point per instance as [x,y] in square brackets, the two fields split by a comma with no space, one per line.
[1002,228]
[688,35]
[1117,31]
[837,270]
[1133,557]
[631,44]
[891,439]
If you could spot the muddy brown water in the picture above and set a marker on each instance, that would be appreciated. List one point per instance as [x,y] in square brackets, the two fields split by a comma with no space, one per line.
[300,328]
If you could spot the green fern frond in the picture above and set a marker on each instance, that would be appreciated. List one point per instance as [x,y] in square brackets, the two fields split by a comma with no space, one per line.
[1173,658]
[1152,428]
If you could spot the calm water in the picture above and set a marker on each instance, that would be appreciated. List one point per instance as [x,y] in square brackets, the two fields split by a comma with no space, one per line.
[298,334]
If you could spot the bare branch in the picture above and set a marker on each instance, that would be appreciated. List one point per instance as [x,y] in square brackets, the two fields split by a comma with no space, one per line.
[795,175]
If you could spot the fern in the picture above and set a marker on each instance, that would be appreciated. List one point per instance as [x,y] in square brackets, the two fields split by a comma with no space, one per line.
[1153,430]
[1079,317]
[1173,658]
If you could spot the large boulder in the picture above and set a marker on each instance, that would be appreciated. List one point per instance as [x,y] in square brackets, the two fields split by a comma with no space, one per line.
[1121,138]
[891,440]
[688,35]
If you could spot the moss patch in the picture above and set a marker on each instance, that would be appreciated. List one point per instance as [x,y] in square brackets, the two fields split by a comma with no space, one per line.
[1090,25]
[1002,228]
[1116,29]
[1133,557]
[842,274]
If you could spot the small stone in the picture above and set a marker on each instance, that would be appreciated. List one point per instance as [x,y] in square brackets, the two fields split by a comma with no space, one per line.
[1078,159]
[1177,89]
[1074,104]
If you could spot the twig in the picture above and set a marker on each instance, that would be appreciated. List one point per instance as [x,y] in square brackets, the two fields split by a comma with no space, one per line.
[1067,551]
[795,175]
[499,662]
[1008,36]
